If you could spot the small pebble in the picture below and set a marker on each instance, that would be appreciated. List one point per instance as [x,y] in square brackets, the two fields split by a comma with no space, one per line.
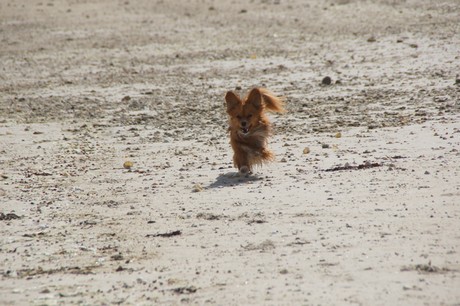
[127,164]
[283,271]
[197,188]
[326,81]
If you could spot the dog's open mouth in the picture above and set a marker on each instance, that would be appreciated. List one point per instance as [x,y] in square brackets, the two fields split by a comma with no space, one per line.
[245,130]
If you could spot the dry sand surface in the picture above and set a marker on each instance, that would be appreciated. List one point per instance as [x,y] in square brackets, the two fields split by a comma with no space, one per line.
[362,206]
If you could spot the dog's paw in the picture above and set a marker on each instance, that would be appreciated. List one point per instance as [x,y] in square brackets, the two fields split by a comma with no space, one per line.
[244,170]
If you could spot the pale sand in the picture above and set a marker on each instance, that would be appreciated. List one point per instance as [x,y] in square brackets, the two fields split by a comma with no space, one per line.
[86,87]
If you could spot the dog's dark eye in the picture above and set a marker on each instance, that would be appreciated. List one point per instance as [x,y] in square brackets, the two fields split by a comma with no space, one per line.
[249,116]
[238,117]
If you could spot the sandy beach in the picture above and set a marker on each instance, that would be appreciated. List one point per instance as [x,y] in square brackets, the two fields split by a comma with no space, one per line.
[116,180]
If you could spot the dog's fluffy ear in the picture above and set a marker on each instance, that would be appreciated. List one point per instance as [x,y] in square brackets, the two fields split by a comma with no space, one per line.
[255,98]
[232,101]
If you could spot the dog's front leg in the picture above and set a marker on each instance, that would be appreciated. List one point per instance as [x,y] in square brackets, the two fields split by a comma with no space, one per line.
[241,158]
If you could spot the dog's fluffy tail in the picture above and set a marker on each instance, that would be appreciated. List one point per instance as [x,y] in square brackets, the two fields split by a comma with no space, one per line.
[272,103]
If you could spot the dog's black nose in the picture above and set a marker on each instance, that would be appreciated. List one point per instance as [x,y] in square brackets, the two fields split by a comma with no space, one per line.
[243,123]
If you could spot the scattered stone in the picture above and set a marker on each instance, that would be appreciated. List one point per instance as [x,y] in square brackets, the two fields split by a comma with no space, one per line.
[425,268]
[257,221]
[284,271]
[207,216]
[441,98]
[264,246]
[197,188]
[165,235]
[372,126]
[366,165]
[116,257]
[371,39]
[298,241]
[412,288]
[325,146]
[27,273]
[306,150]
[38,173]
[9,216]
[326,81]
[127,164]
[184,290]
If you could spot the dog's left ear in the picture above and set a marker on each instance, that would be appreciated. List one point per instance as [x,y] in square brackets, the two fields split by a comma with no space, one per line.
[255,98]
[232,101]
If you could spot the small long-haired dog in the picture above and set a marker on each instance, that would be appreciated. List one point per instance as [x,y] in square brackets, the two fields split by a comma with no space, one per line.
[250,128]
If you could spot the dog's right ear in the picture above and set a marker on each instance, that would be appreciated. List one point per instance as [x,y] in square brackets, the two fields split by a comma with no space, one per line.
[232,101]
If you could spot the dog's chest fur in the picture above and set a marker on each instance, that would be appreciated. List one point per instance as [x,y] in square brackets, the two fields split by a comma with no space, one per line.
[256,138]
